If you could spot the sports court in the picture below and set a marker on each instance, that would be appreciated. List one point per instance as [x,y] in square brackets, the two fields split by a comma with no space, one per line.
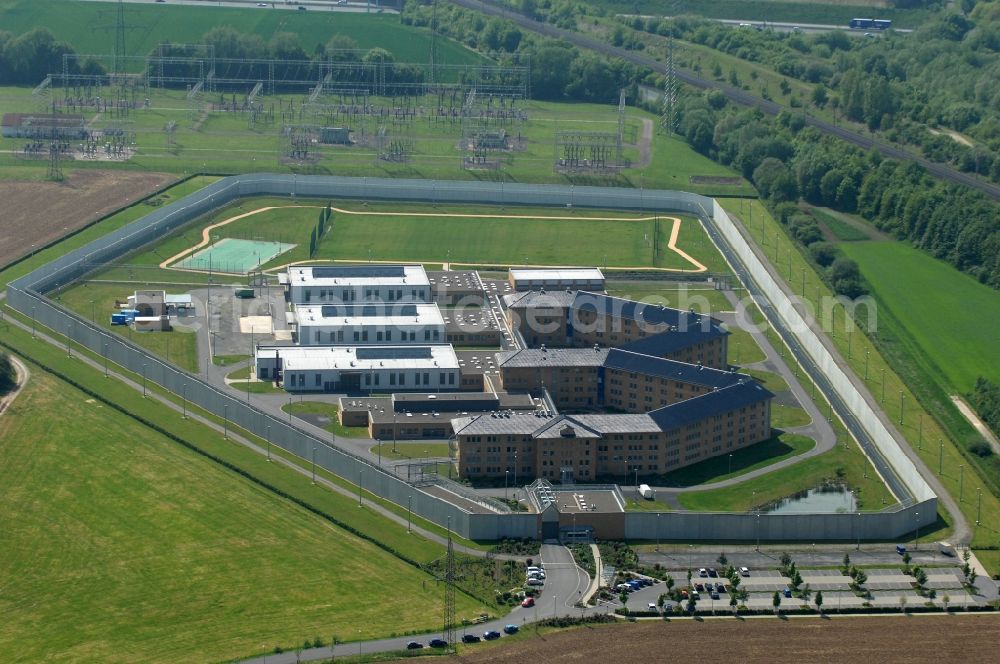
[234,256]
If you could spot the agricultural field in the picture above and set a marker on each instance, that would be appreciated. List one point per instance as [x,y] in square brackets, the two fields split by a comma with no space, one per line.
[36,213]
[89,27]
[911,638]
[152,552]
[951,318]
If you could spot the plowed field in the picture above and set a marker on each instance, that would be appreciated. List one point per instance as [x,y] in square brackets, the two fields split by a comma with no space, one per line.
[914,639]
[35,213]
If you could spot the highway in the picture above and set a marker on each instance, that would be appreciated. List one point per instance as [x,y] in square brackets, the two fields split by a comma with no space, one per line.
[737,95]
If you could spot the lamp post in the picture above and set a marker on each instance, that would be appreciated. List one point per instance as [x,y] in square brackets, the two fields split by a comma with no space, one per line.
[506,474]
[268,439]
[758,531]
[225,421]
[961,482]
[409,512]
[940,456]
[902,405]
[979,504]
[143,381]
[867,357]
[314,465]
[184,401]
[730,465]
[916,533]
[859,531]
[883,385]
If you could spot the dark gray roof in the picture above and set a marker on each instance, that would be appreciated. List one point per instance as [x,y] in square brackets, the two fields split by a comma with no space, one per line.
[650,314]
[743,393]
[354,271]
[680,371]
[553,357]
[561,299]
[671,342]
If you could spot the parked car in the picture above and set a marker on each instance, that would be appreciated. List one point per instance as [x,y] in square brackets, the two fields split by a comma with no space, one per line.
[720,587]
[699,586]
[714,595]
[535,582]
[695,594]
[510,629]
[491,635]
[438,643]
[900,549]
[684,594]
[414,645]
[528,602]
[788,592]
[712,573]
[702,572]
[470,638]
[651,606]
[744,571]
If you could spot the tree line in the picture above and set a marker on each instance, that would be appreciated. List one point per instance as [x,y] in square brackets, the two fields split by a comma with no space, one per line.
[8,378]
[917,89]
[986,401]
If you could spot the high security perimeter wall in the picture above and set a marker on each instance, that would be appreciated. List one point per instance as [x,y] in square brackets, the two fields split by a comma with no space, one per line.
[918,500]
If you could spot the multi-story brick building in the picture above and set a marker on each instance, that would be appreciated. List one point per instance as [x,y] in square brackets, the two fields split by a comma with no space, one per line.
[580,448]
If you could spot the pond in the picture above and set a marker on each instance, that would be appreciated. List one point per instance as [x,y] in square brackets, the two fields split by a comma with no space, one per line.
[816,500]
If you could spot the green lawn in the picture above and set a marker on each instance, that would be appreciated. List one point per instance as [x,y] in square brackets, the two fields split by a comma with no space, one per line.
[327,410]
[771,381]
[148,552]
[743,348]
[179,346]
[643,505]
[411,450]
[788,417]
[701,297]
[806,474]
[151,24]
[952,318]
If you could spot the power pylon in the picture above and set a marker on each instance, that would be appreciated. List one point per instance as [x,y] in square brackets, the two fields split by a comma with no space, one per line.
[449,633]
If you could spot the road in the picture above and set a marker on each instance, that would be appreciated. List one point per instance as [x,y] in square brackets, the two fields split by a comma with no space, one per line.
[737,95]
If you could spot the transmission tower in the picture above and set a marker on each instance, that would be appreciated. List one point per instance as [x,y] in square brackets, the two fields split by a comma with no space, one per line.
[55,163]
[119,59]
[668,119]
[434,44]
[449,633]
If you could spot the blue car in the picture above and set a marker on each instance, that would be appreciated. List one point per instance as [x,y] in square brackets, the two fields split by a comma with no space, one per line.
[510,629]
[788,592]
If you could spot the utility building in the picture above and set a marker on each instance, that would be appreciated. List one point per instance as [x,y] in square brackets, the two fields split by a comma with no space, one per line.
[525,279]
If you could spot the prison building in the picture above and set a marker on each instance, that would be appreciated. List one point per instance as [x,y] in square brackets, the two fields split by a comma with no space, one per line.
[582,448]
[580,378]
[526,279]
[43,126]
[583,319]
[472,327]
[351,369]
[357,283]
[369,324]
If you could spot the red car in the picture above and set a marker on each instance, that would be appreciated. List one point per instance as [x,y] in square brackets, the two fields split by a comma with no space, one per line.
[528,602]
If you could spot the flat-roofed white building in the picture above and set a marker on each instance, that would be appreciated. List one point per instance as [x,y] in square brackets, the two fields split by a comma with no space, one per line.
[369,324]
[574,278]
[335,284]
[359,368]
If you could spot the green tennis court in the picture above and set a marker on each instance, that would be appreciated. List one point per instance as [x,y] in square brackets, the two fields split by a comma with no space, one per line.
[234,256]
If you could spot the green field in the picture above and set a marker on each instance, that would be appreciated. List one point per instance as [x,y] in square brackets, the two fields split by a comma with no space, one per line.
[743,461]
[952,318]
[89,27]
[146,551]
[701,297]
[836,223]
[743,348]
[383,233]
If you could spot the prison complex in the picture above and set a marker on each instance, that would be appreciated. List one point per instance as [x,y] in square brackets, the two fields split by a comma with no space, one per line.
[661,371]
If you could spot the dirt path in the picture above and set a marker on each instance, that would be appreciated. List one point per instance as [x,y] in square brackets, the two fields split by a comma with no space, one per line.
[977,423]
[645,144]
[671,243]
[22,378]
